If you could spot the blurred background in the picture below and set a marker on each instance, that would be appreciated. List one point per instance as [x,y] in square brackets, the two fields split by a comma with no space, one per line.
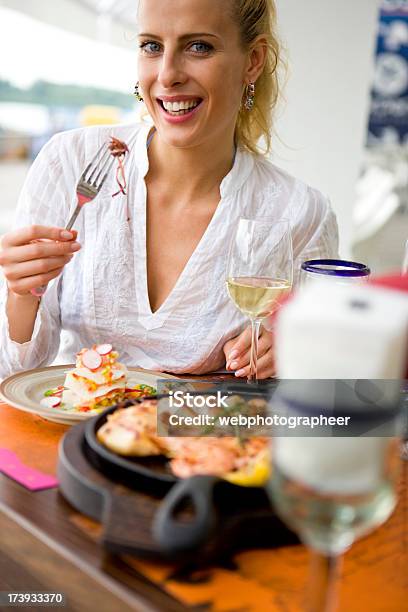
[343,126]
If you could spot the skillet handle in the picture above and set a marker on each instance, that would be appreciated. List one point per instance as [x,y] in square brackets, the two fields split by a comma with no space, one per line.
[174,536]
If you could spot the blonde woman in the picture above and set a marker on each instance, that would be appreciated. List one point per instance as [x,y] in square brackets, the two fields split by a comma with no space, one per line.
[151,280]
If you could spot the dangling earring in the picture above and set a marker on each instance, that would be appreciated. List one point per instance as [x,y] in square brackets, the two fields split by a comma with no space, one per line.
[250,97]
[137,93]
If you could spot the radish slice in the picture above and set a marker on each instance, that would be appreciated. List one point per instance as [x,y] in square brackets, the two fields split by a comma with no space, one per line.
[50,402]
[104,349]
[91,359]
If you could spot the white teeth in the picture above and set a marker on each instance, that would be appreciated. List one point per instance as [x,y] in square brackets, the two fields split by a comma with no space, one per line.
[180,107]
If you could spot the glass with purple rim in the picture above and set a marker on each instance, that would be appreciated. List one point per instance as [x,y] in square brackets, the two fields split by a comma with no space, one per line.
[337,270]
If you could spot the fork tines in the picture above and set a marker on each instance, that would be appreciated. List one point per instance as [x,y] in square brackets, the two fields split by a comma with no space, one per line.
[100,165]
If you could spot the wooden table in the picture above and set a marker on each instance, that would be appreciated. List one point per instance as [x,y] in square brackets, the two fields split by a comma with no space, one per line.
[45,545]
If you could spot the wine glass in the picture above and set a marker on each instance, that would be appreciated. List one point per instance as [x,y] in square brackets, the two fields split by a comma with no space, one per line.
[333,490]
[259,272]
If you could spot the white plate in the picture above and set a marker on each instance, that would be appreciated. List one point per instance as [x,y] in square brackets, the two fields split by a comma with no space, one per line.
[26,390]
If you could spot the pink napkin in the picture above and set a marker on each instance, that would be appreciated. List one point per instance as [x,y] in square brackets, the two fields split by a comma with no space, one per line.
[32,479]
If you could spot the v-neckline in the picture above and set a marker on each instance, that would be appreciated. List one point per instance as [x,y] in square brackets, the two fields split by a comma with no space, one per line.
[167,303]
[149,319]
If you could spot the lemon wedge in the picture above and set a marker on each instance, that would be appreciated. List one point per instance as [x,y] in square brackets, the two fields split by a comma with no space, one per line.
[255,474]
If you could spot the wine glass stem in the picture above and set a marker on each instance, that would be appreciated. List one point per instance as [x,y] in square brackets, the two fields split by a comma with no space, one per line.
[324,581]
[256,325]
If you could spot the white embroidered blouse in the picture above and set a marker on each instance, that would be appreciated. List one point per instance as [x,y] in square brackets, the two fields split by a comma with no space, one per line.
[102,295]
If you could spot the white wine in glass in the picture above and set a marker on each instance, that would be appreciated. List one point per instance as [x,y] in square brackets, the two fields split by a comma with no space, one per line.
[259,272]
[257,297]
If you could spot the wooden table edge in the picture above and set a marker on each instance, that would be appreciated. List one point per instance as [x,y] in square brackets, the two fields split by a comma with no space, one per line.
[115,591]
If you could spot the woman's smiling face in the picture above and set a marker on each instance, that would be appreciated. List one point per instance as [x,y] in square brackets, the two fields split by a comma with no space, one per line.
[192,69]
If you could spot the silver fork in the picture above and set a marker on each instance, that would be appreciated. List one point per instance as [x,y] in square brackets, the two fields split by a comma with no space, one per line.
[88,187]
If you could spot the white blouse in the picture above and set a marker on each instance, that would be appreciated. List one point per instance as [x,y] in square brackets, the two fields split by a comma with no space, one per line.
[102,294]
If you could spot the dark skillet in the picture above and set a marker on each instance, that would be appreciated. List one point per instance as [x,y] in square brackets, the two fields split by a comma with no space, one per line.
[150,474]
[206,498]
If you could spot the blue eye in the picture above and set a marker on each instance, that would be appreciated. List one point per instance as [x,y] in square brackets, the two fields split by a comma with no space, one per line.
[150,48]
[201,48]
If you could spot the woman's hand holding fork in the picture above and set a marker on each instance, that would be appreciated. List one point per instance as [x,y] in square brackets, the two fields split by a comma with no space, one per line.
[30,257]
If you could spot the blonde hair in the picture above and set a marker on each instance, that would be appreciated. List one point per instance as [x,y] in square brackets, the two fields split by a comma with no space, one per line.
[254,18]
